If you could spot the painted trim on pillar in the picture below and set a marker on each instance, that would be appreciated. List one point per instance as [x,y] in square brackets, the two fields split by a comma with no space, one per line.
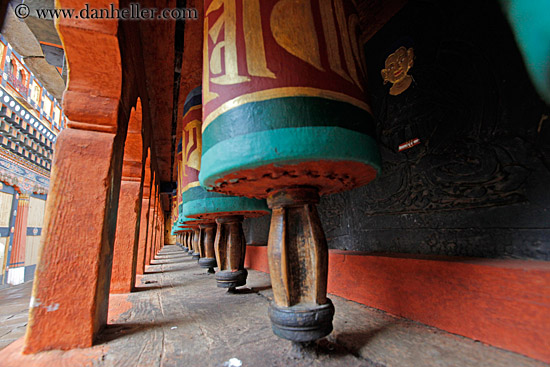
[34,231]
[40,196]
[8,189]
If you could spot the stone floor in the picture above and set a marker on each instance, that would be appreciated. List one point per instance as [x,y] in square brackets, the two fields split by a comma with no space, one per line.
[179,318]
[14,308]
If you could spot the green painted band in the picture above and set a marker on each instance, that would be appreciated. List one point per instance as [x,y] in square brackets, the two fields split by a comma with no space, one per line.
[288,112]
[287,146]
[184,222]
[224,205]
[196,193]
[179,229]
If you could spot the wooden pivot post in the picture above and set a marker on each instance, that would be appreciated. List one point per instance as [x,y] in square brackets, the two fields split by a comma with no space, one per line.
[196,243]
[189,242]
[230,249]
[298,262]
[208,256]
[184,246]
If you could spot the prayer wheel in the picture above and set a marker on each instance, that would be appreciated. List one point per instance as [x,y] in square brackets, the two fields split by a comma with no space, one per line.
[213,208]
[193,226]
[177,231]
[180,231]
[190,224]
[286,118]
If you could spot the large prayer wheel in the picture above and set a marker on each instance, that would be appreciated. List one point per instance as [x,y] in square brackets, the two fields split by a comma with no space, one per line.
[286,118]
[213,209]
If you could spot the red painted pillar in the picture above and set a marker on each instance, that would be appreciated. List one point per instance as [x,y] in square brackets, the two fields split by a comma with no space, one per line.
[155,244]
[144,220]
[16,272]
[71,285]
[127,232]
[123,275]
[155,229]
[151,226]
[157,214]
[160,233]
[70,296]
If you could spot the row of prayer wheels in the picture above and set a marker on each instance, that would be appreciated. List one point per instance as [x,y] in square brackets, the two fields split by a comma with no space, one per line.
[281,118]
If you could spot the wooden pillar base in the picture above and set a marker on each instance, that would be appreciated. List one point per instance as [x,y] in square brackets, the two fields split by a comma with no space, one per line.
[230,246]
[299,324]
[196,243]
[231,279]
[208,259]
[298,264]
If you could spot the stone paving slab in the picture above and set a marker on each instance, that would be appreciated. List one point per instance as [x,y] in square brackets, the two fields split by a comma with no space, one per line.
[14,312]
[178,317]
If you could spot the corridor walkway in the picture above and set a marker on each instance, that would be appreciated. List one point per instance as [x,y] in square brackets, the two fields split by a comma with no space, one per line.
[179,318]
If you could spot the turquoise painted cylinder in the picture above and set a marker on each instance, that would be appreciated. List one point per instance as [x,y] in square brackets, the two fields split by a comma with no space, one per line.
[198,203]
[284,103]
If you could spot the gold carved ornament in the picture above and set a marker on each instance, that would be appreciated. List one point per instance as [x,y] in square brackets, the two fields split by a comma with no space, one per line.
[396,70]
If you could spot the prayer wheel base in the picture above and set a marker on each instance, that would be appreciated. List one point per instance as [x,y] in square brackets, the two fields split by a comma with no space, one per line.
[334,159]
[207,262]
[302,324]
[231,279]
[196,255]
